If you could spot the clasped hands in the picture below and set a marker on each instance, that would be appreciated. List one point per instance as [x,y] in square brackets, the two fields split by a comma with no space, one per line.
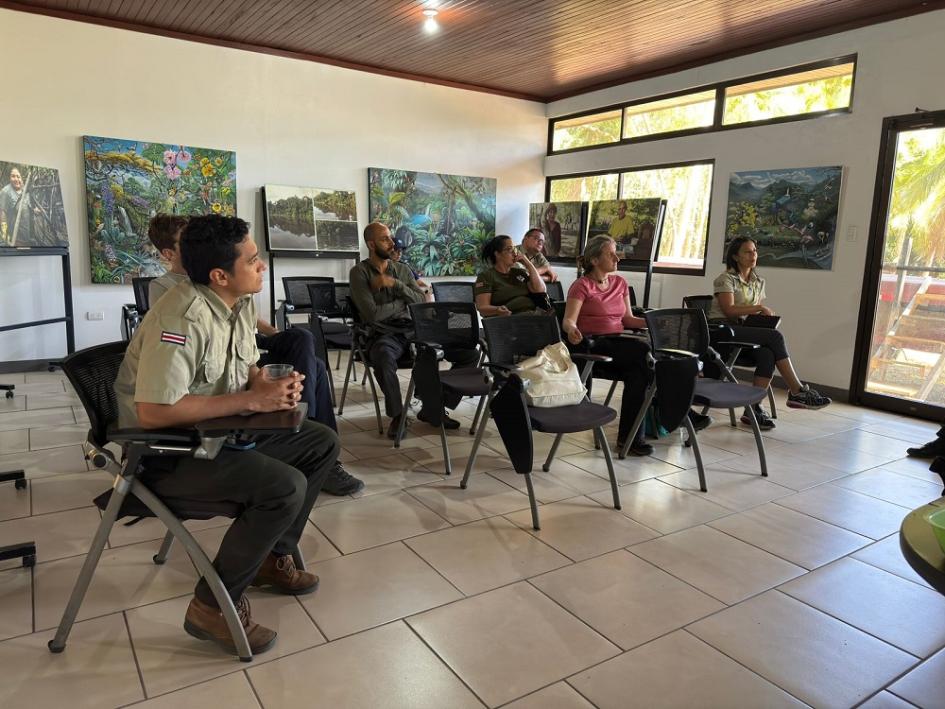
[275,394]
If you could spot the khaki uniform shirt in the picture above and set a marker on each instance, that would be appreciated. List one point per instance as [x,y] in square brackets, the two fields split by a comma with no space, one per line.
[162,284]
[387,303]
[538,260]
[750,292]
[508,289]
[190,342]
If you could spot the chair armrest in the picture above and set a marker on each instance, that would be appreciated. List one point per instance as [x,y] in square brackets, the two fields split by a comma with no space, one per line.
[676,353]
[153,435]
[289,421]
[742,345]
[591,357]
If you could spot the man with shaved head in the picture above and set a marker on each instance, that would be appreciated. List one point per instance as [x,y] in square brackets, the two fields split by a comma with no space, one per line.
[381,290]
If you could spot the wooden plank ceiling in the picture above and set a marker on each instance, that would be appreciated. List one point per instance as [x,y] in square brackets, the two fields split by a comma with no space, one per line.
[538,49]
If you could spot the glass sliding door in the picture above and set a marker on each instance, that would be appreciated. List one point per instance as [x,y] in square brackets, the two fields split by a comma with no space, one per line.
[901,340]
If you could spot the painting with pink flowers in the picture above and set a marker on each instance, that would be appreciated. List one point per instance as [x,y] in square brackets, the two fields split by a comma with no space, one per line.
[129,181]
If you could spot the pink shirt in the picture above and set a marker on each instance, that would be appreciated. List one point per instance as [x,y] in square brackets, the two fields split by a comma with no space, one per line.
[603,308]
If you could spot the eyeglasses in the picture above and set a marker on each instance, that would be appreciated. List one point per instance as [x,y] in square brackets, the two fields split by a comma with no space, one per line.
[507,249]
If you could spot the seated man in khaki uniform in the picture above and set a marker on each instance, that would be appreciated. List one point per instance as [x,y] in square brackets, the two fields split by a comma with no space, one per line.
[531,246]
[194,358]
[295,346]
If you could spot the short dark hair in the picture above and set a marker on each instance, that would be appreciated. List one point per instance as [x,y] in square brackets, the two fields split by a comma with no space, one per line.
[163,228]
[530,230]
[492,247]
[211,242]
[731,253]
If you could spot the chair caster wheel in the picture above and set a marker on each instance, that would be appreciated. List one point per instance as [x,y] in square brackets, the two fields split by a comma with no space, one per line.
[158,560]
[53,648]
[29,560]
[20,484]
[246,659]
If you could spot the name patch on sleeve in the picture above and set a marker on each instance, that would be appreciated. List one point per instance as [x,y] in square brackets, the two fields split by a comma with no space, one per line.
[174,338]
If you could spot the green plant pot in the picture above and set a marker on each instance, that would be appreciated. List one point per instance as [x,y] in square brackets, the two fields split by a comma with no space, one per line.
[937,520]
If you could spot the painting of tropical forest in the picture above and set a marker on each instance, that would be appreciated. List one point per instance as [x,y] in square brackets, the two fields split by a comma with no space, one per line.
[310,219]
[635,224]
[562,223]
[444,220]
[790,213]
[129,181]
[31,212]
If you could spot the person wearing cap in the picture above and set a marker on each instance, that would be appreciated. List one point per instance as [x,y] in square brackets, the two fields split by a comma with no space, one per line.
[194,358]
[532,244]
[295,346]
[396,256]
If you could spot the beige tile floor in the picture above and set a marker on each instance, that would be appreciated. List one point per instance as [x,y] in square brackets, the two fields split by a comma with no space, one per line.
[786,591]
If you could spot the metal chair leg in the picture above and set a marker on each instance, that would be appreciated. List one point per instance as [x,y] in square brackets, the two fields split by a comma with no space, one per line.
[697,453]
[759,441]
[638,421]
[551,454]
[531,501]
[471,461]
[774,406]
[344,389]
[297,558]
[338,361]
[403,417]
[161,556]
[377,406]
[446,449]
[482,403]
[610,392]
[731,417]
[331,386]
[58,643]
[602,440]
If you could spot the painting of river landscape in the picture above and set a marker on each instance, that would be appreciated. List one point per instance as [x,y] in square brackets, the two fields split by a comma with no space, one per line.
[443,220]
[311,219]
[129,181]
[790,213]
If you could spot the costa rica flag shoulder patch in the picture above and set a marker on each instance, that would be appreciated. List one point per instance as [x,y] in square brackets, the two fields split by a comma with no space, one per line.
[174,338]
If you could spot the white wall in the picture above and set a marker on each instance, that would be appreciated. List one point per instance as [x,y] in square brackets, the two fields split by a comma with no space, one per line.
[899,68]
[289,121]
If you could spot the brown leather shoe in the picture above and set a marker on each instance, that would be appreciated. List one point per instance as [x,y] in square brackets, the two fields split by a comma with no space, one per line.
[280,572]
[206,623]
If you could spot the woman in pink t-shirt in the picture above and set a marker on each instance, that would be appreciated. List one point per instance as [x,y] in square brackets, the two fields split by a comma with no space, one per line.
[599,304]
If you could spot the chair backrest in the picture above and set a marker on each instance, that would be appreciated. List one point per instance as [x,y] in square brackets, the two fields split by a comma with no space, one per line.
[453,292]
[513,337]
[450,325]
[633,295]
[678,329]
[296,290]
[321,297]
[555,290]
[92,372]
[318,334]
[342,291]
[699,302]
[140,287]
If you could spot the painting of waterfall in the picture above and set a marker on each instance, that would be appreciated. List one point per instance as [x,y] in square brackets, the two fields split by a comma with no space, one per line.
[129,181]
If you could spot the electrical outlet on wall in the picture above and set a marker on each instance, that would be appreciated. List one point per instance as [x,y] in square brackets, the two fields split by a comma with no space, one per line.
[95,315]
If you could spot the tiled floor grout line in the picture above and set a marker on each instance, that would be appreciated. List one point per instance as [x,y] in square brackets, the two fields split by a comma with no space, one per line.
[447,665]
[134,654]
[255,691]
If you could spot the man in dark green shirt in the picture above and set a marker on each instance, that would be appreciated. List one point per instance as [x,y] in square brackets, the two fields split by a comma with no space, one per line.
[381,290]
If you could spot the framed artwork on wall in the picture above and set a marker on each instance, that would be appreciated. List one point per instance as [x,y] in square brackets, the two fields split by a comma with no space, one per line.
[129,181]
[636,226]
[31,211]
[564,225]
[311,219]
[443,220]
[791,213]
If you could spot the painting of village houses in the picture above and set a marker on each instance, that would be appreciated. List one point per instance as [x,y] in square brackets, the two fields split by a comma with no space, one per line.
[790,213]
[129,181]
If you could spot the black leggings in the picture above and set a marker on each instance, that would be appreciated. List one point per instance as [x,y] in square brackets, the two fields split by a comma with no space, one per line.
[772,348]
[629,366]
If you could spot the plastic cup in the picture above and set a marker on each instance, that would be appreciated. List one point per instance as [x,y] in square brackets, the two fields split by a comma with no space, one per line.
[277,371]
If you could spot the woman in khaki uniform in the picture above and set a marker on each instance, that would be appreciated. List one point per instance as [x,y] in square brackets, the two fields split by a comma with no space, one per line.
[509,286]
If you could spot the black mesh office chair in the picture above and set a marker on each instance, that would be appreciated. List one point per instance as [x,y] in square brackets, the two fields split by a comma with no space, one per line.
[453,292]
[511,339]
[439,327]
[323,304]
[297,300]
[92,373]
[132,315]
[734,353]
[686,329]
[555,291]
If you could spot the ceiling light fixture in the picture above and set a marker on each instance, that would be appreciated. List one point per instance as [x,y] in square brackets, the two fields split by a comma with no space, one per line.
[430,25]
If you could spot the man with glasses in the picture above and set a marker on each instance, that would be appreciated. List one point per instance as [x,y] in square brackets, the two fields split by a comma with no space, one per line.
[532,246]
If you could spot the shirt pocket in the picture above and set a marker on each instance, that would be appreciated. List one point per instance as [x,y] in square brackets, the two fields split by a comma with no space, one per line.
[244,361]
